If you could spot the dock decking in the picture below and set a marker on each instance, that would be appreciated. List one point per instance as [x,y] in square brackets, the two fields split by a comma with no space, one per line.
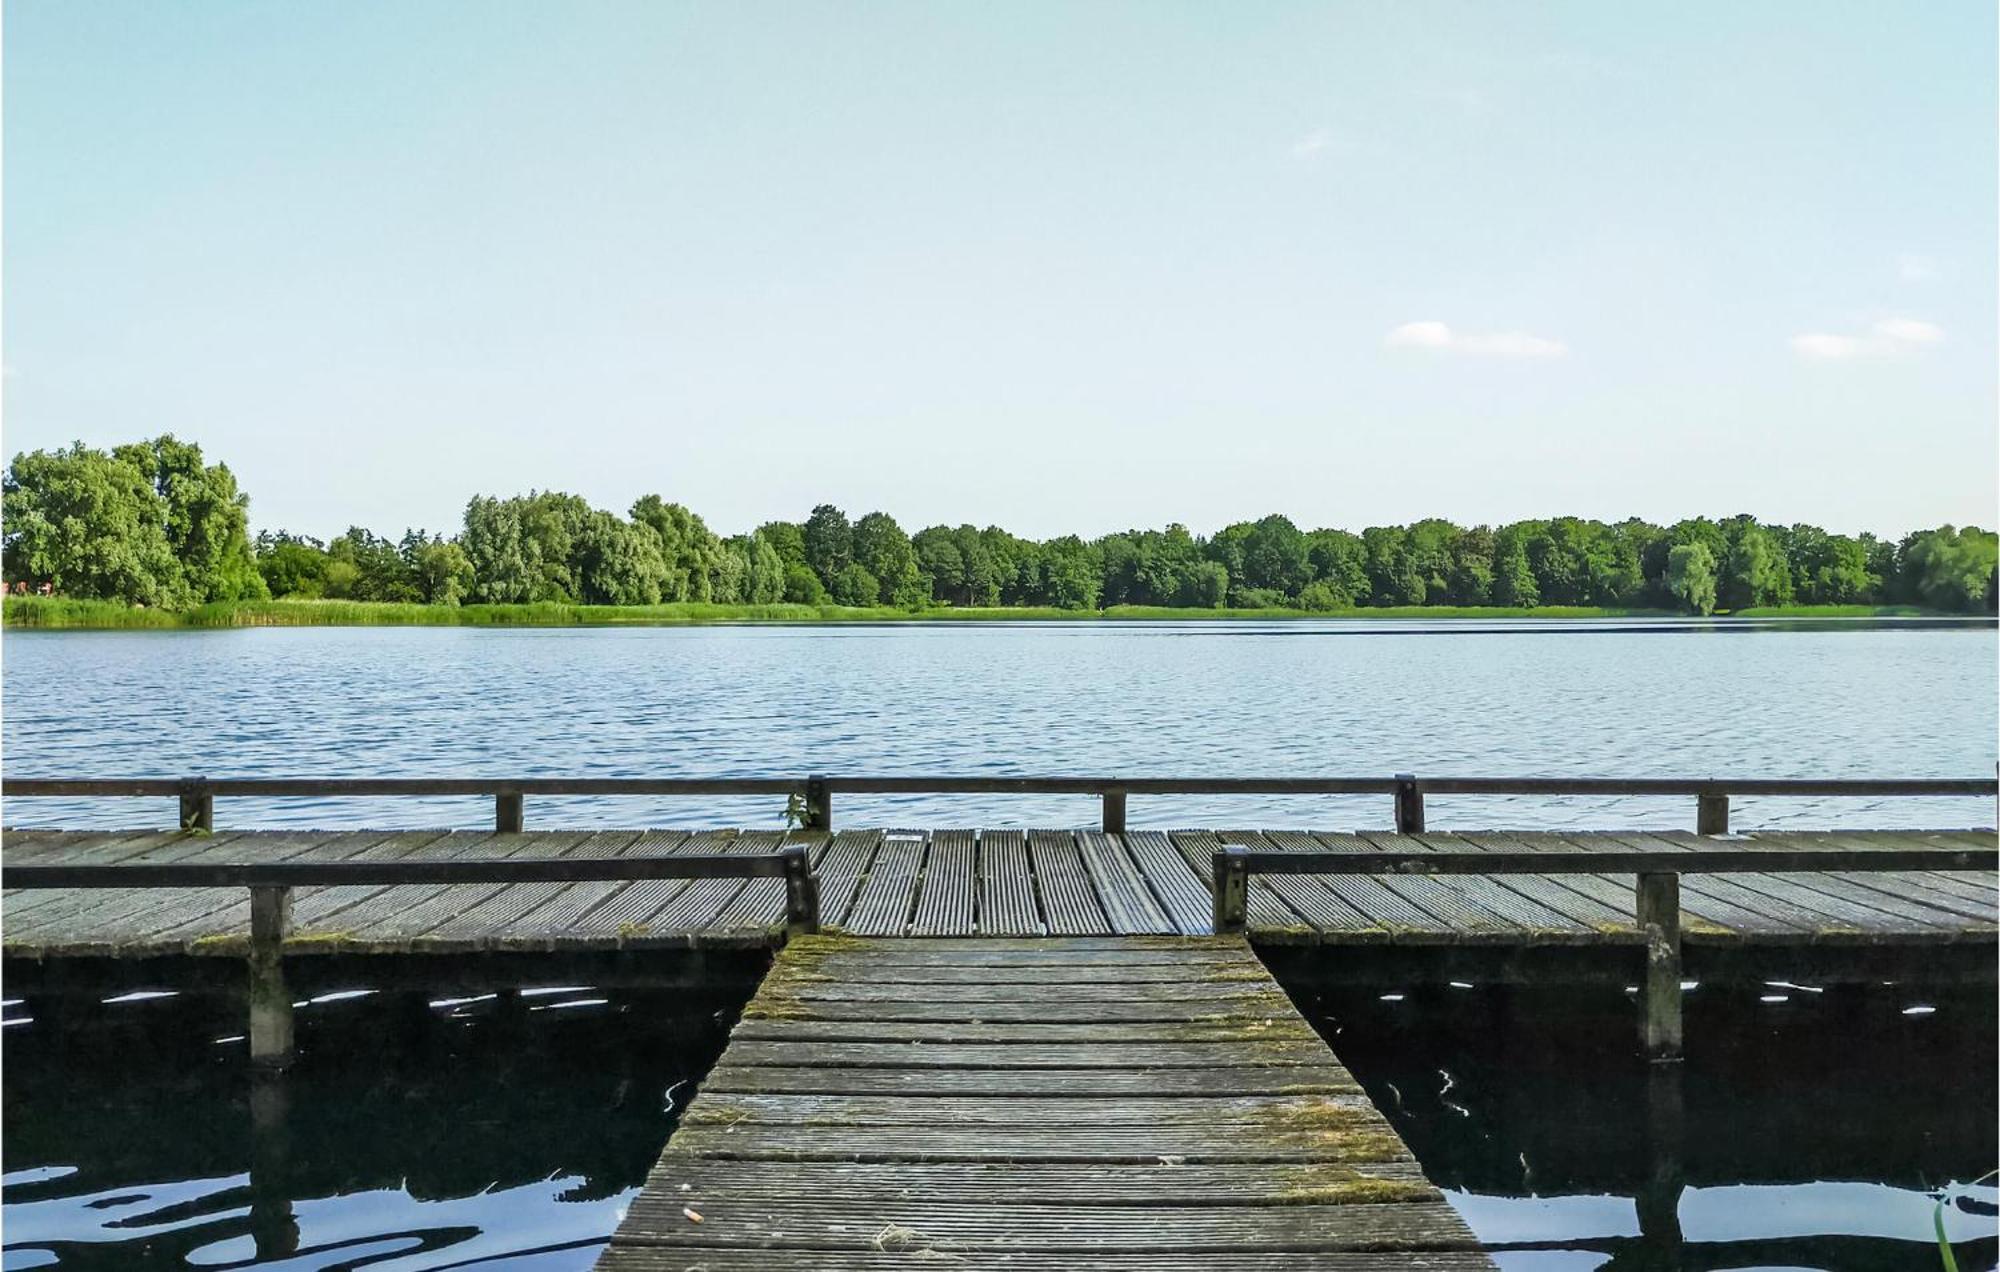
[1118,1103]
[961,883]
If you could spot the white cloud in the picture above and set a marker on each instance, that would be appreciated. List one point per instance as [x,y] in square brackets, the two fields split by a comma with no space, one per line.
[1887,338]
[1491,344]
[1912,268]
[1311,144]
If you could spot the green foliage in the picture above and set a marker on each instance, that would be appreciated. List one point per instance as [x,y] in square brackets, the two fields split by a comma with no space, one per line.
[147,523]
[802,586]
[1691,577]
[829,542]
[150,524]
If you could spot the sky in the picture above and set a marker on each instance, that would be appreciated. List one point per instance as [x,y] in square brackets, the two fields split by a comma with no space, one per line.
[1062,267]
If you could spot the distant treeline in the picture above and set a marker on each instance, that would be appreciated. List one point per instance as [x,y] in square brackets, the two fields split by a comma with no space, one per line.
[152,524]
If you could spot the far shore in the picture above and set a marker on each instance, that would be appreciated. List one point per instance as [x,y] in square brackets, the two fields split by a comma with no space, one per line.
[62,613]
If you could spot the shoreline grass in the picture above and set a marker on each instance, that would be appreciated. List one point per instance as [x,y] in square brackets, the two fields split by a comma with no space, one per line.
[58,613]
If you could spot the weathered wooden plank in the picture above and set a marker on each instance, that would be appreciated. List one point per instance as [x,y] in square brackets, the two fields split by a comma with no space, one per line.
[49,926]
[1234,989]
[1309,895]
[1183,894]
[840,869]
[1184,1030]
[1129,906]
[1068,899]
[1035,1144]
[896,1055]
[598,911]
[1325,1078]
[1250,1114]
[1007,905]
[760,903]
[889,894]
[699,905]
[659,1258]
[208,910]
[947,896]
[1044,973]
[817,1223]
[1383,903]
[948,1011]
[700,1180]
[1266,908]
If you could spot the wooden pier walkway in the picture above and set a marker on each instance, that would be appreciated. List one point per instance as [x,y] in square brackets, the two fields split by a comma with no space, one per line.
[954,883]
[1122,1103]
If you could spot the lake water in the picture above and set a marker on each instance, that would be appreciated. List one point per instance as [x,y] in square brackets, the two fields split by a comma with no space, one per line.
[416,1131]
[1810,1126]
[1347,698]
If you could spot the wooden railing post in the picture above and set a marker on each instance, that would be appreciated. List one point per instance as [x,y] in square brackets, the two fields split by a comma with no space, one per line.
[270,1001]
[509,813]
[1711,815]
[1232,888]
[819,804]
[801,891]
[1409,805]
[1114,813]
[1659,918]
[197,805]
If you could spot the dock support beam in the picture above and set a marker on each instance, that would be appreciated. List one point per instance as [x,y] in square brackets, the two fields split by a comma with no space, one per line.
[1711,815]
[197,805]
[1232,889]
[1660,923]
[801,892]
[1409,805]
[819,804]
[509,815]
[1114,813]
[270,1001]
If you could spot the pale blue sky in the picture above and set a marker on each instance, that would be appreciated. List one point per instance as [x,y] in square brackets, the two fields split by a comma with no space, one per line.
[1063,267]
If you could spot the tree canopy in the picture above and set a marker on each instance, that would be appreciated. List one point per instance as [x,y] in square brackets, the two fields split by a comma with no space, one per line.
[150,523]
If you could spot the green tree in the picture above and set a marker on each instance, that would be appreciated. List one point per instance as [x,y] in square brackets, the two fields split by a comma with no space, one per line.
[1951,569]
[292,565]
[854,585]
[1754,571]
[1691,577]
[1070,573]
[440,569]
[881,548]
[620,562]
[802,586]
[90,525]
[207,518]
[829,542]
[763,570]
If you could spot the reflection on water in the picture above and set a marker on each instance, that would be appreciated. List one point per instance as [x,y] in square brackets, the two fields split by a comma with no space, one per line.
[494,1130]
[1809,1127]
[1206,699]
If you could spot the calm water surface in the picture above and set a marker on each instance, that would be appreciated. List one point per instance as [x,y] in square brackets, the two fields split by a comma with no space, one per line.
[1169,699]
[1811,1126]
[416,1131]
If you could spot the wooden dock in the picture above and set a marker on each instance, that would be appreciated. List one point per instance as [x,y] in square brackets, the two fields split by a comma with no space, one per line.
[1121,1103]
[958,883]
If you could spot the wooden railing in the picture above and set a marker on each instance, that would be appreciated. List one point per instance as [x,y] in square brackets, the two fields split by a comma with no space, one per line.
[1657,899]
[271,883]
[812,796]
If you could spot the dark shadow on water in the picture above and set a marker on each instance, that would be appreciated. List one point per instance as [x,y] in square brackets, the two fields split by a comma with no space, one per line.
[1808,1127]
[487,1130]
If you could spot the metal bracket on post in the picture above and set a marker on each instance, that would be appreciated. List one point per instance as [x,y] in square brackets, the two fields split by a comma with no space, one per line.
[270,1001]
[509,813]
[1409,805]
[197,805]
[1232,888]
[1659,918]
[801,892]
[1114,813]
[1711,816]
[819,804]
